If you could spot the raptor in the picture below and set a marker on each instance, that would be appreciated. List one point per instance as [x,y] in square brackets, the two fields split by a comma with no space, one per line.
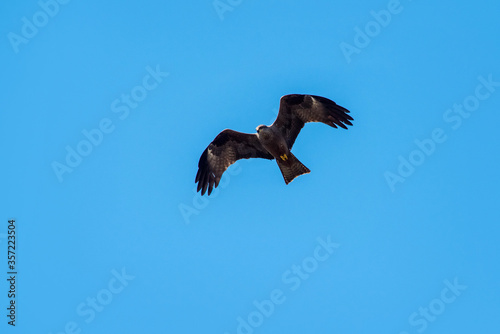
[270,142]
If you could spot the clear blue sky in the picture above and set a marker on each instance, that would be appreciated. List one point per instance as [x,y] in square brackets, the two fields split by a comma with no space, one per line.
[107,107]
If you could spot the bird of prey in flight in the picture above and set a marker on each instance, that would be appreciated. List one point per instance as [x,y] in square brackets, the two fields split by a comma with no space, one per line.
[270,142]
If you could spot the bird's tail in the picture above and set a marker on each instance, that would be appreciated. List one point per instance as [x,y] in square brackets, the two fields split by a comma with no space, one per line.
[291,167]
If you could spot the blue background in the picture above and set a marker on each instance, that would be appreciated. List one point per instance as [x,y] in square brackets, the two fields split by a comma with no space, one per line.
[198,264]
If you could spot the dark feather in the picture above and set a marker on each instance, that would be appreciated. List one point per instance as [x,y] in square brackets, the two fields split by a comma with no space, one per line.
[228,147]
[296,110]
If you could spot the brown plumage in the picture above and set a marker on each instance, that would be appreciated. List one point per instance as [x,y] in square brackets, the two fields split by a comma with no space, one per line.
[270,142]
[291,168]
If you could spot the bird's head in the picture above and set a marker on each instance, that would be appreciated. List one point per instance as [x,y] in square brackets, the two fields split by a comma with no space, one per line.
[260,127]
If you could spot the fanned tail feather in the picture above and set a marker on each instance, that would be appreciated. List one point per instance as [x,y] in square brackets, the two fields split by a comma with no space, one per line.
[291,168]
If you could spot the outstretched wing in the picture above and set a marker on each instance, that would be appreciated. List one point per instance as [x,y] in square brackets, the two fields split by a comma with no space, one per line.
[222,152]
[296,110]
